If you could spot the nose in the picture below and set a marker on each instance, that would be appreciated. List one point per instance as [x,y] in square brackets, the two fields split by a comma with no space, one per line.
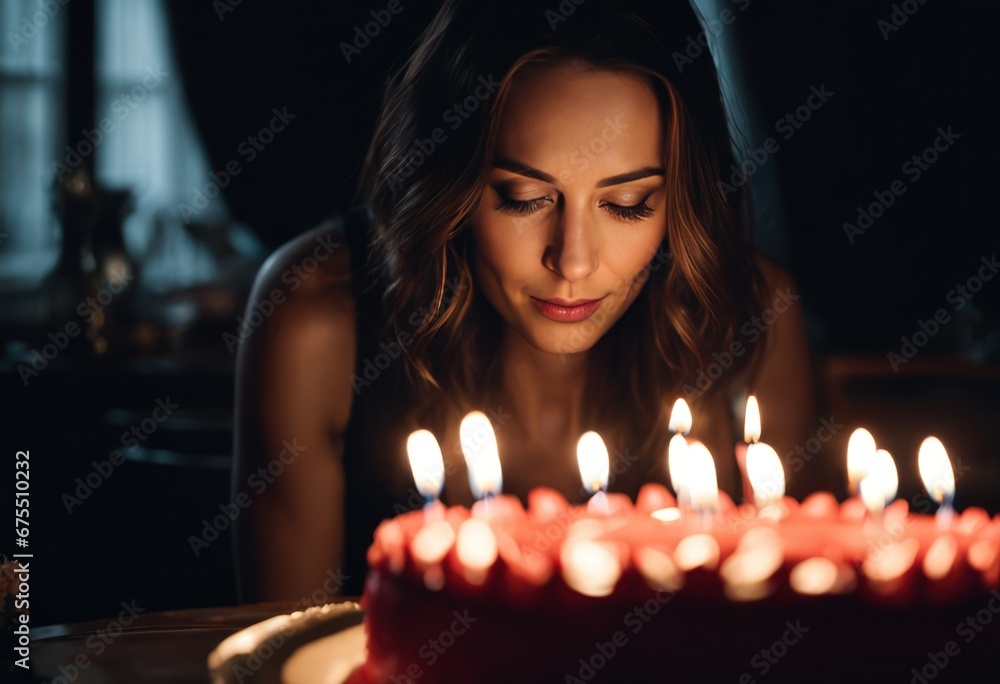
[572,251]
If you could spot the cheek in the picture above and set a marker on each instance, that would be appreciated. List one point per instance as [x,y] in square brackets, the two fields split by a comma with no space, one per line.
[631,252]
[502,246]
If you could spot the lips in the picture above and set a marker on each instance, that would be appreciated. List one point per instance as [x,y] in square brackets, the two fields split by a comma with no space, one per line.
[567,311]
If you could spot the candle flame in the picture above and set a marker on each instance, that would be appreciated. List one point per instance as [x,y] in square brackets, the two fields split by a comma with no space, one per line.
[592,457]
[700,478]
[936,471]
[426,463]
[888,475]
[860,457]
[751,424]
[677,465]
[767,476]
[680,417]
[479,446]
[879,486]
[871,494]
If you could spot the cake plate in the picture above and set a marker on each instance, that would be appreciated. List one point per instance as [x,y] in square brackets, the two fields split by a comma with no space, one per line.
[319,645]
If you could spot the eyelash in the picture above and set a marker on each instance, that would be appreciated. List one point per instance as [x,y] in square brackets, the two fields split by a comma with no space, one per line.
[635,212]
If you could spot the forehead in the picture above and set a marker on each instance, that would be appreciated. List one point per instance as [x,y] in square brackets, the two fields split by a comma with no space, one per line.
[559,116]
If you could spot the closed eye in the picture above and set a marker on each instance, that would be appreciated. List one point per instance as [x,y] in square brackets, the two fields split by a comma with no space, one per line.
[626,213]
[630,213]
[520,207]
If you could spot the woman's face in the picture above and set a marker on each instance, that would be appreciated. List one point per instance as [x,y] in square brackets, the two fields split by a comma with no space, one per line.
[574,207]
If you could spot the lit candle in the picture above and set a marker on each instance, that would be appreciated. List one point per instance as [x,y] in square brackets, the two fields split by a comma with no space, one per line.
[768,474]
[479,446]
[860,457]
[680,417]
[765,474]
[427,466]
[680,425]
[701,480]
[751,435]
[751,422]
[878,488]
[938,477]
[592,457]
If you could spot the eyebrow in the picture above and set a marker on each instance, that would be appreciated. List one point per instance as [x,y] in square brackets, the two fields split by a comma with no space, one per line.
[523,169]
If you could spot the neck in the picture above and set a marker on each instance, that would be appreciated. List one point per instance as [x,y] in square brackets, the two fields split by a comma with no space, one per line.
[544,390]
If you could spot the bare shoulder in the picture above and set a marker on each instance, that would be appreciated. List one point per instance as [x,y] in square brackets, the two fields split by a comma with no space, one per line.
[298,337]
[293,401]
[313,263]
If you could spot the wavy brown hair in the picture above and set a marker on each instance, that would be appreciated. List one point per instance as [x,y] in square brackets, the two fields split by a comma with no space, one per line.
[424,187]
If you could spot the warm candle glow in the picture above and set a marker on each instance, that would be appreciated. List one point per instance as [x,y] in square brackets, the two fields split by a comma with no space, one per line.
[589,567]
[433,542]
[936,471]
[887,473]
[680,417]
[677,466]
[814,576]
[477,549]
[426,463]
[879,487]
[767,476]
[751,424]
[592,457]
[671,514]
[860,457]
[697,551]
[658,569]
[871,494]
[893,561]
[479,445]
[700,478]
[746,572]
[940,558]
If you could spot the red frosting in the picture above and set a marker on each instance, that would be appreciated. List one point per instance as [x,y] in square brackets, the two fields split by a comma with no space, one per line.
[564,578]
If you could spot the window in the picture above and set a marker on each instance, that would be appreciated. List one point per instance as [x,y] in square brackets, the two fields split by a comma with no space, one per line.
[31,104]
[142,139]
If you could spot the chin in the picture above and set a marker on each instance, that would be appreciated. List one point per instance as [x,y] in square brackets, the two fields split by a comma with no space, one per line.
[575,339]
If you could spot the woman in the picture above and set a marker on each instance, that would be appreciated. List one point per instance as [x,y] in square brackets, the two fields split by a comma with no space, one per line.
[544,237]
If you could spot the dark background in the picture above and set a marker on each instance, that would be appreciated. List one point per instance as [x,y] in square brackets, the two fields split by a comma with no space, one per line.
[130,540]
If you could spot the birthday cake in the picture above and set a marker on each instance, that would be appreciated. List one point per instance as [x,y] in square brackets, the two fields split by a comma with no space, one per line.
[699,590]
[816,591]
[638,592]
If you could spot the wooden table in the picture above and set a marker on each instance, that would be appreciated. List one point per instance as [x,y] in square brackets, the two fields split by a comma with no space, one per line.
[170,647]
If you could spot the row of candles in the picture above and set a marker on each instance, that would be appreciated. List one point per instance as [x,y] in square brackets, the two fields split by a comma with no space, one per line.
[871,471]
